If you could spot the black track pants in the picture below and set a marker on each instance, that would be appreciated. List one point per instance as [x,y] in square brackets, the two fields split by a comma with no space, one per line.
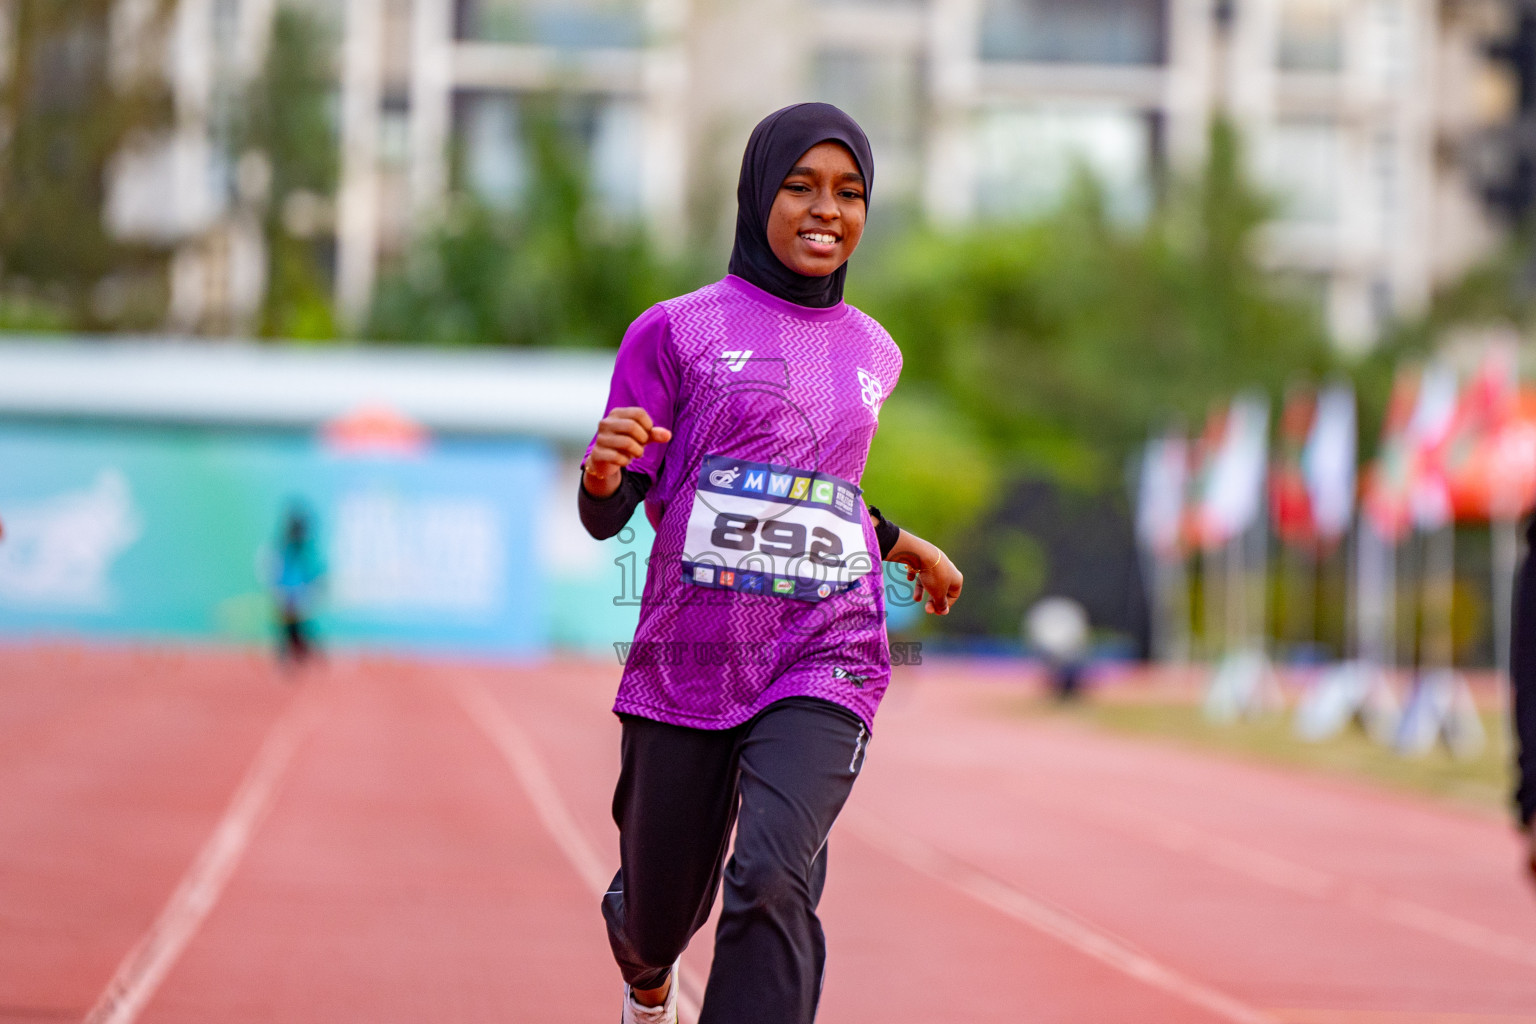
[789,771]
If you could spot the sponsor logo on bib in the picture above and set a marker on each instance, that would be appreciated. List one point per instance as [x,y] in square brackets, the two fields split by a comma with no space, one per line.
[764,528]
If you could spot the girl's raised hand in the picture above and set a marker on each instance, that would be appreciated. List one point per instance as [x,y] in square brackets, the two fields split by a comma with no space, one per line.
[621,439]
[935,574]
[941,582]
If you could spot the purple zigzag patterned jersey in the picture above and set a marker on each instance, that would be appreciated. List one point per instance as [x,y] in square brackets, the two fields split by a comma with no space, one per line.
[764,581]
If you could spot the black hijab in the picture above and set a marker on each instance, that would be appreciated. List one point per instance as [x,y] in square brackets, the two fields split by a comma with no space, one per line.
[777,142]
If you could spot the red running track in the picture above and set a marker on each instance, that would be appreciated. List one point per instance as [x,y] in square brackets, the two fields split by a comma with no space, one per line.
[194,838]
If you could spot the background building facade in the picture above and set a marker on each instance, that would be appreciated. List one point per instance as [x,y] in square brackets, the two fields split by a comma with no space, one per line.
[1367,119]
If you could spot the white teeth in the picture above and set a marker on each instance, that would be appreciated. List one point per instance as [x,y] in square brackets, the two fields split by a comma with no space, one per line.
[820,239]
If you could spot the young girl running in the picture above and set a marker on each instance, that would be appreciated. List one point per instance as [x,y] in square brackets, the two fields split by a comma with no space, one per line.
[742,415]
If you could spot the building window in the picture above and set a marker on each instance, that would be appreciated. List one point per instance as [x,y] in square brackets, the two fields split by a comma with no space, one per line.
[1311,35]
[1302,164]
[614,143]
[603,134]
[881,92]
[1075,31]
[492,160]
[1029,157]
[564,24]
[395,131]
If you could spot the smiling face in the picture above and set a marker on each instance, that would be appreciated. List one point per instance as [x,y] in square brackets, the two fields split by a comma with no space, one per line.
[818,214]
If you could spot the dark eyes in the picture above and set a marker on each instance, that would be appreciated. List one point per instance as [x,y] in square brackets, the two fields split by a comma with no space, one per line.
[802,189]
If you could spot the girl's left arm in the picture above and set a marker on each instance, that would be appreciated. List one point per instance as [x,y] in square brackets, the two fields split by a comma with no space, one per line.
[931,568]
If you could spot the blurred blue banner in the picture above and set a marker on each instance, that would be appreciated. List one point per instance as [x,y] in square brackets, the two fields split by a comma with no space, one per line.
[169,533]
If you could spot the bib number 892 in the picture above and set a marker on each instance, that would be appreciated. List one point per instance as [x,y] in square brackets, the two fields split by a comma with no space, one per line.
[776,537]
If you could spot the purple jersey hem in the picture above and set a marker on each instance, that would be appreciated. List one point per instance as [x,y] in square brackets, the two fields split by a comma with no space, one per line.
[779,691]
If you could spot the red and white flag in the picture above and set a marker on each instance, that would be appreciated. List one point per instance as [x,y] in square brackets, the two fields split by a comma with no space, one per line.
[1404,487]
[1488,459]
[1229,489]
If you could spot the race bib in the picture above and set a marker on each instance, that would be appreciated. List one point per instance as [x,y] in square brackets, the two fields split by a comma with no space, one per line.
[774,530]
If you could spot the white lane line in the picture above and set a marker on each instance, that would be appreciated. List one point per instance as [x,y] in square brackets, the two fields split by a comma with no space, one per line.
[1280,872]
[152,957]
[1271,869]
[1443,925]
[533,775]
[1058,924]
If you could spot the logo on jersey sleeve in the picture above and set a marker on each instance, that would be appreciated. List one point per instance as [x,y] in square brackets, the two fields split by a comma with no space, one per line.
[736,359]
[871,391]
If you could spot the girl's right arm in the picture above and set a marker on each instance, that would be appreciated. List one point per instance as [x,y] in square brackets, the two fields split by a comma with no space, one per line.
[610,492]
[621,439]
[625,456]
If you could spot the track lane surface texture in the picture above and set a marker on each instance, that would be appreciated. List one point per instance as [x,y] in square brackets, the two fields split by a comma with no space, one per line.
[431,847]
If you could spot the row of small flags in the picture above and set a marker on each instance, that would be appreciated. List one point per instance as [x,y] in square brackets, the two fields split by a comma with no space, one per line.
[1447,454]
[1451,451]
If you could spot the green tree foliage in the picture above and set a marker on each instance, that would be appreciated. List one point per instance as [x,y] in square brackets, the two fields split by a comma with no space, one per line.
[930,466]
[66,116]
[287,119]
[1067,339]
[550,272]
[1047,351]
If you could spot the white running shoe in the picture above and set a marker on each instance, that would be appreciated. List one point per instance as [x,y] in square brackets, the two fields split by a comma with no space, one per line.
[666,1013]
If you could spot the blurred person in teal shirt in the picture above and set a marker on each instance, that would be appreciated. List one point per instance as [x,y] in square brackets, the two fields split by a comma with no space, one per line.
[296,577]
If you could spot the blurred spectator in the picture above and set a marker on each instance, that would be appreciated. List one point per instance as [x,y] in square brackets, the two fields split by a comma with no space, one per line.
[1057,628]
[296,579]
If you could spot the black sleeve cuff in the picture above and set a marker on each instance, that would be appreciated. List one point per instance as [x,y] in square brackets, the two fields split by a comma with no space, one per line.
[887,533]
[604,517]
